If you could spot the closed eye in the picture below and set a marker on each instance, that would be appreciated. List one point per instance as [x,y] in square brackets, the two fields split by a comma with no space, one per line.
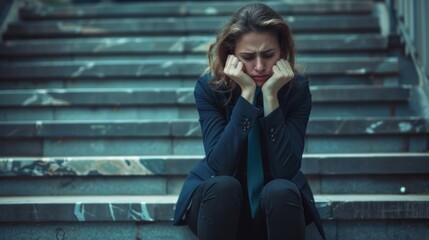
[268,55]
[247,56]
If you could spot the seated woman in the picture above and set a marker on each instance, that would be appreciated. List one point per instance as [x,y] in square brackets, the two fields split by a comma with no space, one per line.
[253,109]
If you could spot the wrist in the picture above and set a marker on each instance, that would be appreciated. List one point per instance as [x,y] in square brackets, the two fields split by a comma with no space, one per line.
[248,94]
[271,103]
[269,93]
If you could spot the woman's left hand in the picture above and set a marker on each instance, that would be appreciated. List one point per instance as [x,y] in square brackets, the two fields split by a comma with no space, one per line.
[282,74]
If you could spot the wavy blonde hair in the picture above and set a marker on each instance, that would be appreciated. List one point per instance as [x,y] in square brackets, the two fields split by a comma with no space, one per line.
[254,17]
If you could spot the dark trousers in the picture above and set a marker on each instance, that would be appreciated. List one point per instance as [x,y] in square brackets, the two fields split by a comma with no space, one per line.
[220,210]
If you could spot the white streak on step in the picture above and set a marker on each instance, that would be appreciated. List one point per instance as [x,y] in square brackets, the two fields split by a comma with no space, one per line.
[145,212]
[192,130]
[290,19]
[167,64]
[178,46]
[359,71]
[69,27]
[79,211]
[405,126]
[35,212]
[30,100]
[112,213]
[184,97]
[83,68]
[109,43]
[211,11]
[373,126]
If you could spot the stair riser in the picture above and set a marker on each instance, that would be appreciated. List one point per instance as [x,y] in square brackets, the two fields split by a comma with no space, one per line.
[188,112]
[95,231]
[138,9]
[172,47]
[99,113]
[161,185]
[174,83]
[161,146]
[335,230]
[183,68]
[180,146]
[178,26]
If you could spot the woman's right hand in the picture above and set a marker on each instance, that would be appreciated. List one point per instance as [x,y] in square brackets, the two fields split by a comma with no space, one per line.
[234,70]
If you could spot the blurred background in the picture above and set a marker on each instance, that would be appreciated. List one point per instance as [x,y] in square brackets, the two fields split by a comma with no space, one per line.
[98,127]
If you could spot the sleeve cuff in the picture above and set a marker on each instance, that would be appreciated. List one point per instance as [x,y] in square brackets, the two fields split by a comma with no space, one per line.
[273,119]
[245,113]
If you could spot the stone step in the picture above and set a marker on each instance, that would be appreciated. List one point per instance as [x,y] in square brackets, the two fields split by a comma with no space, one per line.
[167,103]
[348,217]
[160,208]
[381,173]
[183,137]
[172,26]
[178,82]
[189,128]
[161,230]
[361,66]
[182,9]
[175,45]
[182,96]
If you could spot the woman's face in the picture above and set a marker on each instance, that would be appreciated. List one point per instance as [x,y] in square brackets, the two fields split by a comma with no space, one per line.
[259,52]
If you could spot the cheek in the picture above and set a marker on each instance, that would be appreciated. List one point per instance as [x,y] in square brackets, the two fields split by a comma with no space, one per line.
[247,68]
[271,64]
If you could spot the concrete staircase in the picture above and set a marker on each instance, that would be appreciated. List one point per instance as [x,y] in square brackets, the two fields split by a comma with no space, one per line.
[98,127]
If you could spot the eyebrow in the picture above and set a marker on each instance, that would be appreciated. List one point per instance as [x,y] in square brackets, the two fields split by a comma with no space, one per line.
[251,53]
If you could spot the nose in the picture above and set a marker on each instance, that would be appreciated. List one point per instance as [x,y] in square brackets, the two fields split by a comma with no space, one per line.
[260,64]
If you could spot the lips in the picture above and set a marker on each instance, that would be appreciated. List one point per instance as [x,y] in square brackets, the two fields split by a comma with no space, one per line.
[260,78]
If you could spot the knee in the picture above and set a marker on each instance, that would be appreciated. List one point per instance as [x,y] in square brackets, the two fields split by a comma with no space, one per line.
[224,187]
[282,191]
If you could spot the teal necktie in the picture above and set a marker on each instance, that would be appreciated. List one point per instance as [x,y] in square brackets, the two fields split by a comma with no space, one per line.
[255,172]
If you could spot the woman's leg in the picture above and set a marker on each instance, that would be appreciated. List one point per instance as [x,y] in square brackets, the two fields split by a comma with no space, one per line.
[281,201]
[215,208]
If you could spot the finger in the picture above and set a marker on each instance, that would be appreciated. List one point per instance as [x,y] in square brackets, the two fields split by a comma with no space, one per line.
[287,69]
[282,66]
[228,66]
[239,66]
[276,69]
[234,61]
[288,66]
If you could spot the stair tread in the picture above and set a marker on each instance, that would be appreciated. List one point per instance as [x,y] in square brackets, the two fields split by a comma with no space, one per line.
[174,26]
[355,66]
[161,208]
[187,9]
[171,199]
[173,165]
[190,128]
[182,96]
[175,45]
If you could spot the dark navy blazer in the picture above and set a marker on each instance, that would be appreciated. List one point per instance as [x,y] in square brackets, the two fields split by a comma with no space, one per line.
[225,126]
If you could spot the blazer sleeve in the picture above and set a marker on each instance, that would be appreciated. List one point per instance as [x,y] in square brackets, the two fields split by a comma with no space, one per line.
[223,140]
[284,133]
